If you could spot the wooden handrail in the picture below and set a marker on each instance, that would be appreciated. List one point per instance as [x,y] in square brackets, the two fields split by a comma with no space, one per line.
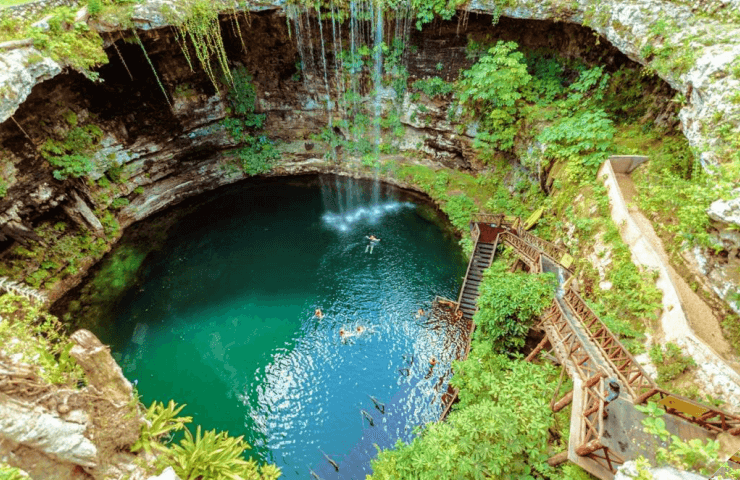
[710,418]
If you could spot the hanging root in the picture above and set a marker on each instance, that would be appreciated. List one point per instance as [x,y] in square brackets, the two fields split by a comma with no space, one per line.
[121,57]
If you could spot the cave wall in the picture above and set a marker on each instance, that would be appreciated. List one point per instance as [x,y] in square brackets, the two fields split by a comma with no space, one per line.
[175,147]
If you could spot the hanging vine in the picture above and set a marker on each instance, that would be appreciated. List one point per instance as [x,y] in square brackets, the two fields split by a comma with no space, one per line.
[159,82]
[202,27]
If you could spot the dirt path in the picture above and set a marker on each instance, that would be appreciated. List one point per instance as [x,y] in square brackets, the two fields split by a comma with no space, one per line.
[700,316]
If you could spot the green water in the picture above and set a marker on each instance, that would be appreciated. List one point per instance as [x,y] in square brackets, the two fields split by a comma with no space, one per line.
[223,319]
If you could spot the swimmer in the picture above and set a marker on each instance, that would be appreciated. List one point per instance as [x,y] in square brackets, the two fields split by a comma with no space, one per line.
[420,313]
[360,329]
[341,332]
[432,361]
[373,240]
[318,314]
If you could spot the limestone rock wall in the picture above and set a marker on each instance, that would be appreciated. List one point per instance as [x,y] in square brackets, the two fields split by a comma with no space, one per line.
[70,433]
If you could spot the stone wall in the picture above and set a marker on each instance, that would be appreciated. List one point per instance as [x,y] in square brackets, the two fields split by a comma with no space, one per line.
[31,9]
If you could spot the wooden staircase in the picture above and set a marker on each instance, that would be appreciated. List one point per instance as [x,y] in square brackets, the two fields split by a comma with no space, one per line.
[480,260]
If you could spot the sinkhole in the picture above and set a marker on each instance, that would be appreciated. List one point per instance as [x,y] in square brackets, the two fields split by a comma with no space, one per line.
[223,317]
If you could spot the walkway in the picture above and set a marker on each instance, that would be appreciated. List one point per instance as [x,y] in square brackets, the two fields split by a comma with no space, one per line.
[606,429]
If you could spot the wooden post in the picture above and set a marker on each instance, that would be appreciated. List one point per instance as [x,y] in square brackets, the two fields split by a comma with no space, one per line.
[593,380]
[563,402]
[538,349]
[639,400]
[558,459]
[589,448]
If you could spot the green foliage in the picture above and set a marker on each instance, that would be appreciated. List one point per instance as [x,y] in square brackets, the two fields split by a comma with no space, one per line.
[499,429]
[670,361]
[258,155]
[492,90]
[74,44]
[674,190]
[161,423]
[584,139]
[216,456]
[694,455]
[508,303]
[37,336]
[201,26]
[72,153]
[242,96]
[426,10]
[433,87]
[208,455]
[119,203]
[11,473]
[459,208]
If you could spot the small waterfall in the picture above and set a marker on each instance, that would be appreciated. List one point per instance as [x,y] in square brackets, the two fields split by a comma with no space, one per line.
[310,40]
[349,203]
[323,60]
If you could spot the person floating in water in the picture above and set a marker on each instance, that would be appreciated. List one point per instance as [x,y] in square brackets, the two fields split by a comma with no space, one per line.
[318,314]
[420,313]
[360,329]
[341,333]
[373,240]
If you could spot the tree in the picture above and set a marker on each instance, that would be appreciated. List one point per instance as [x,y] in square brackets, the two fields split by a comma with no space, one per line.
[508,302]
[499,430]
[492,90]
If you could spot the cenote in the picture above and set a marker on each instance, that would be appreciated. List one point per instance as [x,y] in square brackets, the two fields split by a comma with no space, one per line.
[223,319]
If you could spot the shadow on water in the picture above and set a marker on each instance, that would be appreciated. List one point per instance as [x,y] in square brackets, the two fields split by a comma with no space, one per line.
[223,319]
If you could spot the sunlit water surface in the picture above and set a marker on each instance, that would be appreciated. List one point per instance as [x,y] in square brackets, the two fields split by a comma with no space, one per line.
[224,320]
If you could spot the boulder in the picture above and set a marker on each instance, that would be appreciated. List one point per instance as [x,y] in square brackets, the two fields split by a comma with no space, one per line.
[101,370]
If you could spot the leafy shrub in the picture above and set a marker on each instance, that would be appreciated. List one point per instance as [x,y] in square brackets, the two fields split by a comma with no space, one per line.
[507,304]
[492,89]
[499,429]
[584,138]
[242,97]
[11,473]
[161,422]
[670,362]
[36,336]
[426,10]
[460,208]
[78,46]
[258,156]
[216,456]
[119,203]
[694,455]
[72,153]
[433,87]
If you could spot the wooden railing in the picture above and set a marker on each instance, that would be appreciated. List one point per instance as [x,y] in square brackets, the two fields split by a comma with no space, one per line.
[633,377]
[530,254]
[707,417]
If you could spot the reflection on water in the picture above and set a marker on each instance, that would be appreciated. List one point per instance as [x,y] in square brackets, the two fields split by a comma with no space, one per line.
[224,322]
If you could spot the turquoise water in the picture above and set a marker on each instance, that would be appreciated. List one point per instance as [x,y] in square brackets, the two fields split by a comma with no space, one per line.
[223,319]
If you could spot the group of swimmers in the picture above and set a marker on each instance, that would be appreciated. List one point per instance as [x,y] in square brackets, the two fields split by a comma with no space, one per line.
[343,333]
